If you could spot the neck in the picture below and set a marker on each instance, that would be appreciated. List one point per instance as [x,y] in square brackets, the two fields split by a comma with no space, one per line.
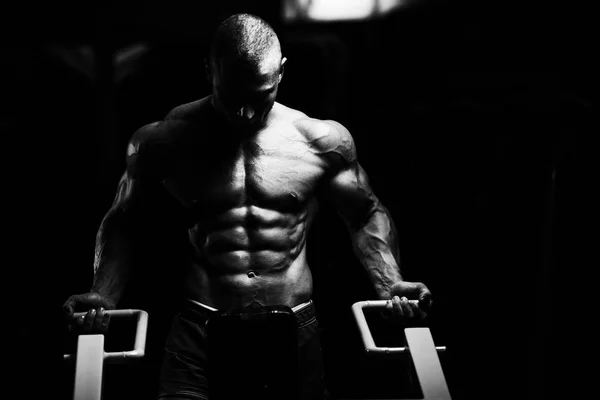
[240,131]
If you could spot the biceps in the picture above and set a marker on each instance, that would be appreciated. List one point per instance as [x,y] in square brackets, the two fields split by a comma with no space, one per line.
[351,194]
[127,195]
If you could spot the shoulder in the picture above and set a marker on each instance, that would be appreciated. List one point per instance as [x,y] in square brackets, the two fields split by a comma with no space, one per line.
[158,137]
[146,140]
[189,112]
[328,138]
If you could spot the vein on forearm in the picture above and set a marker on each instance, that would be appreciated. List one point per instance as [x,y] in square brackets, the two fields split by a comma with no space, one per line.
[375,243]
[113,252]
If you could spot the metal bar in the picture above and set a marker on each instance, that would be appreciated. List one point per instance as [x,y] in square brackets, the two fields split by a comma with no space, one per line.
[140,337]
[427,364]
[365,333]
[90,357]
[88,369]
[422,350]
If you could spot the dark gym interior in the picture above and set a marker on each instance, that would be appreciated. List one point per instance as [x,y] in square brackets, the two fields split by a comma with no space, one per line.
[473,120]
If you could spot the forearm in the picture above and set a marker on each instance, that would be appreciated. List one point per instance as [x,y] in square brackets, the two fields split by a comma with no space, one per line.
[113,257]
[375,243]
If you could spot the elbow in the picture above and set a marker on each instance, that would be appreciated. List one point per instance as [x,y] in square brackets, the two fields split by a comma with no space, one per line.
[370,213]
[364,216]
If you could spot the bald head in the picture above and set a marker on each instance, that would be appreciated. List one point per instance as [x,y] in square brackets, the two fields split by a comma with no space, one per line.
[246,41]
[245,68]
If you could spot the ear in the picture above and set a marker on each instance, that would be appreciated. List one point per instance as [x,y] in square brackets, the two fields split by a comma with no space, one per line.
[207,70]
[282,68]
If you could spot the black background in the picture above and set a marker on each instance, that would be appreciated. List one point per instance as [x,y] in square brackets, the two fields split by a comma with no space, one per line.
[474,123]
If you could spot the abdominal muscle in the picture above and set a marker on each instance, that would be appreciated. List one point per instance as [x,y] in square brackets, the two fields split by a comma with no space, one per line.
[237,266]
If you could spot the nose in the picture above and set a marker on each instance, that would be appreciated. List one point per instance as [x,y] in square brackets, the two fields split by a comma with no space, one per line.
[246,112]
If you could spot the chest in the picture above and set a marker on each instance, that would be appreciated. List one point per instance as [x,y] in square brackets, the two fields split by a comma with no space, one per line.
[276,175]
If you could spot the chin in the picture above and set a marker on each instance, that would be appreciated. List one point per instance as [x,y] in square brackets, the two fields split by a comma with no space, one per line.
[248,125]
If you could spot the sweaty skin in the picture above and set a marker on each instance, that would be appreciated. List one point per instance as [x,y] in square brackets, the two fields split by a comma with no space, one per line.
[243,175]
[252,204]
[249,203]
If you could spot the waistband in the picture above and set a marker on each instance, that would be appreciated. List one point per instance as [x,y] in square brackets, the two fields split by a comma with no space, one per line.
[304,312]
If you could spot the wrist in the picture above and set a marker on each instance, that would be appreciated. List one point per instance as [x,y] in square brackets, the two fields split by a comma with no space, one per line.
[110,300]
[383,292]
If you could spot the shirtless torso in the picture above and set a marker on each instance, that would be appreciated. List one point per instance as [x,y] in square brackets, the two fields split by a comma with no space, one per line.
[249,201]
[240,177]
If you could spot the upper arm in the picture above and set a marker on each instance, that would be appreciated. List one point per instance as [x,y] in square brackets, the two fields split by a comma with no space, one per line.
[346,185]
[138,170]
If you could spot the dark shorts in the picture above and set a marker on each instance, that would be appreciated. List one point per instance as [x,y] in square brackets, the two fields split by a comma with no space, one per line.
[184,369]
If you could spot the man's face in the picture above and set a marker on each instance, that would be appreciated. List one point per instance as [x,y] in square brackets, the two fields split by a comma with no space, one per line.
[245,94]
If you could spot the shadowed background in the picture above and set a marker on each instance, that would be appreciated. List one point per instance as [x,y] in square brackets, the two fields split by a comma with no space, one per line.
[473,121]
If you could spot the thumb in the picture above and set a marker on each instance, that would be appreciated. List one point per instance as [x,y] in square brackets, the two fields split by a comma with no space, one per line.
[425,300]
[69,307]
[407,289]
[83,302]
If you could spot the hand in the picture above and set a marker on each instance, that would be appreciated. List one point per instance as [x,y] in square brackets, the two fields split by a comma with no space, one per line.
[95,321]
[409,301]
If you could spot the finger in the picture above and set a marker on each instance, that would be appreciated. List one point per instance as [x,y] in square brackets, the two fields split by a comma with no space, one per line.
[102,320]
[417,311]
[69,308]
[79,321]
[98,319]
[426,306]
[76,324]
[105,321]
[425,300]
[389,307]
[89,321]
[397,306]
[406,308]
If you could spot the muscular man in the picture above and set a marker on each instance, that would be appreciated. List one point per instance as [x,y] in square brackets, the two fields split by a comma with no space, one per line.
[248,172]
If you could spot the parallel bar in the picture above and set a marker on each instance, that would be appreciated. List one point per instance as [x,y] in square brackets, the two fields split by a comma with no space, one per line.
[88,370]
[140,339]
[423,352]
[141,330]
[363,327]
[427,364]
[365,332]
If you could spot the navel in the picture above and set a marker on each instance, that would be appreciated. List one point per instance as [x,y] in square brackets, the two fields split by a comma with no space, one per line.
[251,274]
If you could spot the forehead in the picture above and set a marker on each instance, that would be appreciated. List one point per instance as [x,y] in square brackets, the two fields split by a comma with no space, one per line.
[260,73]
